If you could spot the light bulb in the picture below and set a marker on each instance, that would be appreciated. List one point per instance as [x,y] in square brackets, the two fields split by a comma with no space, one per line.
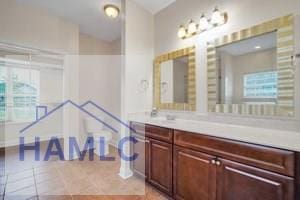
[217,18]
[111,11]
[181,32]
[203,24]
[192,28]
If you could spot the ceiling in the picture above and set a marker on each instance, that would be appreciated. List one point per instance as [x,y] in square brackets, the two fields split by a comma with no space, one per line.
[154,6]
[266,41]
[89,15]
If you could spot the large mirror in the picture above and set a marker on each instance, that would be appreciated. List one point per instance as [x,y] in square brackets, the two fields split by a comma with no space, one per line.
[247,71]
[251,72]
[175,80]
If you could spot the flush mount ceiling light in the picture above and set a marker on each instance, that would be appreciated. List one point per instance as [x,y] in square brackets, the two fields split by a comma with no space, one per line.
[257,47]
[217,19]
[111,11]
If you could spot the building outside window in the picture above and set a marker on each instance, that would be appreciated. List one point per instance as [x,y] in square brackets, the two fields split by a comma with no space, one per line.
[261,85]
[19,94]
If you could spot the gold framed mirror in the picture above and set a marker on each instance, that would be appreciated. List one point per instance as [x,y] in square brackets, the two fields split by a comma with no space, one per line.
[175,80]
[251,72]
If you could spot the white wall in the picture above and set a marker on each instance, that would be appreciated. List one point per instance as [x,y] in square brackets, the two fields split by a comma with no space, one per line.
[139,49]
[242,14]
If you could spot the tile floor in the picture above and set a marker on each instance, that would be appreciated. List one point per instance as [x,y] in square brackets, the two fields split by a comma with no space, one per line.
[76,180]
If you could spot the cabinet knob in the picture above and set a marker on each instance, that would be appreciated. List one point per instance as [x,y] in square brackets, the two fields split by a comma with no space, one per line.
[218,163]
[213,162]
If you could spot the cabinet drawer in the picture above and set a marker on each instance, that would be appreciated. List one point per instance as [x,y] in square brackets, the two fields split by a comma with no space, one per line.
[159,133]
[276,160]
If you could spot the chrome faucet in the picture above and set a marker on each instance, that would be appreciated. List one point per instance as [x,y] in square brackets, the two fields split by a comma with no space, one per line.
[154,112]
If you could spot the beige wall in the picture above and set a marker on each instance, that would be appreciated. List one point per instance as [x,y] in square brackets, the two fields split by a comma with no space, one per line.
[139,51]
[36,28]
[180,81]
[89,45]
[250,63]
[235,67]
[116,47]
[99,77]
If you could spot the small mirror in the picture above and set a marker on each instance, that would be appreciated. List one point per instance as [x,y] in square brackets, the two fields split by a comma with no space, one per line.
[174,80]
[247,71]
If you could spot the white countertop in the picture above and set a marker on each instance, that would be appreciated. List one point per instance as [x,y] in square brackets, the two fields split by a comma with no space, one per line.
[288,140]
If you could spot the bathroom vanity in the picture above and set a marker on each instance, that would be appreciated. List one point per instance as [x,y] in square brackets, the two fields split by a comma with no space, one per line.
[250,73]
[187,165]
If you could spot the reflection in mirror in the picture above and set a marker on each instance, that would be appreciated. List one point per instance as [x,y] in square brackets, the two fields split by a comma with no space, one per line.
[174,85]
[247,71]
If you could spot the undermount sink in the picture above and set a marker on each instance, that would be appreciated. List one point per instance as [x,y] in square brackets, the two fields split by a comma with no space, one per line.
[160,118]
[163,119]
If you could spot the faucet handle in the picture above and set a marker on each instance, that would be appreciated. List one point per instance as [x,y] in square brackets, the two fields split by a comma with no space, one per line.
[153,112]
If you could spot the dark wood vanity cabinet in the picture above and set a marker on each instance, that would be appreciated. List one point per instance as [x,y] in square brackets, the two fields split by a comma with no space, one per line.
[194,175]
[189,166]
[237,181]
[160,165]
[155,160]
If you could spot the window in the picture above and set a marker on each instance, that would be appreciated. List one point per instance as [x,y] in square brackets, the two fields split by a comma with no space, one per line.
[19,93]
[261,85]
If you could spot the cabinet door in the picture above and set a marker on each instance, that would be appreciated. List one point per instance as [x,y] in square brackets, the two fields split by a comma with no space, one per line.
[237,181]
[160,171]
[194,175]
[141,164]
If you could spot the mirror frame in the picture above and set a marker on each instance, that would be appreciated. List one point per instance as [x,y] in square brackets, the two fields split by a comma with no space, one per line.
[284,27]
[191,104]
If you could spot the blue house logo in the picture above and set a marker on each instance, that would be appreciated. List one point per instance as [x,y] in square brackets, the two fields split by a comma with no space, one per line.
[73,145]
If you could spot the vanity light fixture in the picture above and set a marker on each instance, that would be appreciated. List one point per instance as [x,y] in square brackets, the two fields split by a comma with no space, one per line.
[192,28]
[181,32]
[111,11]
[218,18]
[204,24]
[257,47]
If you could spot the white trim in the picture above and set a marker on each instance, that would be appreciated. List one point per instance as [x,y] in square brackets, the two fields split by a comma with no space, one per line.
[125,173]
[29,64]
[114,143]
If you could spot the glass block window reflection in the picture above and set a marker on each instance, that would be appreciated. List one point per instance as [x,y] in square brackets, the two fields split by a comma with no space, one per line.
[261,85]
